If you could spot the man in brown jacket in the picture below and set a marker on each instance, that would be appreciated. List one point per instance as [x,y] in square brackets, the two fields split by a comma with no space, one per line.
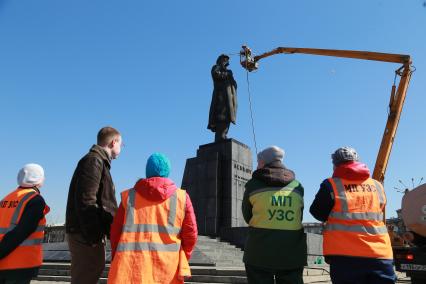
[91,207]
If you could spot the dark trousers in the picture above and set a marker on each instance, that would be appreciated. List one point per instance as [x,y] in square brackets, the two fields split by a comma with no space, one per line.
[15,281]
[87,262]
[18,276]
[261,275]
[351,270]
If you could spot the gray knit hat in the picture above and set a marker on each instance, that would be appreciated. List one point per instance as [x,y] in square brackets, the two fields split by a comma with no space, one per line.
[271,154]
[343,155]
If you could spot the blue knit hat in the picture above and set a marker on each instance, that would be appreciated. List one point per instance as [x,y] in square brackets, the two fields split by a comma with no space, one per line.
[158,165]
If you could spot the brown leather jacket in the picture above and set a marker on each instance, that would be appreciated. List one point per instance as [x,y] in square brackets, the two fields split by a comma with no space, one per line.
[91,203]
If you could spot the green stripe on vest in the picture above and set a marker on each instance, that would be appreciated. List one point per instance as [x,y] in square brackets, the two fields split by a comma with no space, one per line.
[277,207]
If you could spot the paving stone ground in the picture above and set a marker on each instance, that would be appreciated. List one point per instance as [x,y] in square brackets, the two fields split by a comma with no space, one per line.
[312,277]
[329,282]
[401,279]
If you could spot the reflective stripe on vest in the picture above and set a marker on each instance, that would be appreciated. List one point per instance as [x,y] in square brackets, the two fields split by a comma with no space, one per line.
[130,226]
[31,242]
[357,216]
[14,222]
[277,207]
[39,228]
[357,229]
[287,188]
[147,247]
[16,213]
[345,215]
[349,232]
[380,193]
[29,252]
[150,239]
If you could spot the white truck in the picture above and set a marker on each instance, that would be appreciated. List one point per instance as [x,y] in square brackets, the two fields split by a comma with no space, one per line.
[410,255]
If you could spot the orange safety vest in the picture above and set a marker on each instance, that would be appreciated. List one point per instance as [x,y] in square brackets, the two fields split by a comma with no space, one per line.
[355,226]
[29,253]
[149,249]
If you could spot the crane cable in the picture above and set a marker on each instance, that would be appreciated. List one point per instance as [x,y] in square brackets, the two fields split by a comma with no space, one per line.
[251,109]
[249,96]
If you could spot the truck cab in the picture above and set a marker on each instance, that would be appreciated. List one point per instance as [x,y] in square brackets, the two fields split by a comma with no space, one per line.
[409,245]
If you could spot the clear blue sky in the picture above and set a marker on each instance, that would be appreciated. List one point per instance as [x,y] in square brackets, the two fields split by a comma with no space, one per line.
[68,68]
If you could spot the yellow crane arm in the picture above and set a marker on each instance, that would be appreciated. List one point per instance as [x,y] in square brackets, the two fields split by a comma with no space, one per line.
[395,109]
[396,101]
[365,55]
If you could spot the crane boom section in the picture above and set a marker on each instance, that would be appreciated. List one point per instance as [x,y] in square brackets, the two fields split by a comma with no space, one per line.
[395,110]
[365,55]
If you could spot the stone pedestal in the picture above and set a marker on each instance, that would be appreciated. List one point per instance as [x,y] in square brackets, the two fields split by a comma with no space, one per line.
[215,181]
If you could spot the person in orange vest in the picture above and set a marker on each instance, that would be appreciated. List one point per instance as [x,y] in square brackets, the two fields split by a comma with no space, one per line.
[22,222]
[356,242]
[154,231]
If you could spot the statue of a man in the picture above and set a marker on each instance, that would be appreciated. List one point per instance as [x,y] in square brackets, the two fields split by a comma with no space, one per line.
[223,108]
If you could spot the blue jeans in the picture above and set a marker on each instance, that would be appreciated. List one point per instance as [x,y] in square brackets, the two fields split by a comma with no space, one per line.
[357,270]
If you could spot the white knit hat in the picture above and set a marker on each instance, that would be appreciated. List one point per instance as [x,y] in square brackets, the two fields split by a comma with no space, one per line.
[30,175]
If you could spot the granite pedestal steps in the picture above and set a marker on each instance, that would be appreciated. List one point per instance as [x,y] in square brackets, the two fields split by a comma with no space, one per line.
[213,261]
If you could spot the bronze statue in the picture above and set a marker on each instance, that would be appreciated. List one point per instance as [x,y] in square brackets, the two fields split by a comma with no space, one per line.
[223,108]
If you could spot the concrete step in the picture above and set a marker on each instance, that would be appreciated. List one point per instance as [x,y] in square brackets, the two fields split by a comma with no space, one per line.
[208,251]
[212,249]
[60,272]
[194,279]
[65,282]
[402,278]
[229,271]
[59,280]
[216,245]
[316,279]
[220,253]
[52,278]
[63,269]
[208,240]
[223,251]
[218,279]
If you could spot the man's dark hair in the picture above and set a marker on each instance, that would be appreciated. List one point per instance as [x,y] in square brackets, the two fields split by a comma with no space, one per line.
[106,135]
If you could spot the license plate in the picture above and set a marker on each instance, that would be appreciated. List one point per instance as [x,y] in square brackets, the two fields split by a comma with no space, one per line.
[413,267]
